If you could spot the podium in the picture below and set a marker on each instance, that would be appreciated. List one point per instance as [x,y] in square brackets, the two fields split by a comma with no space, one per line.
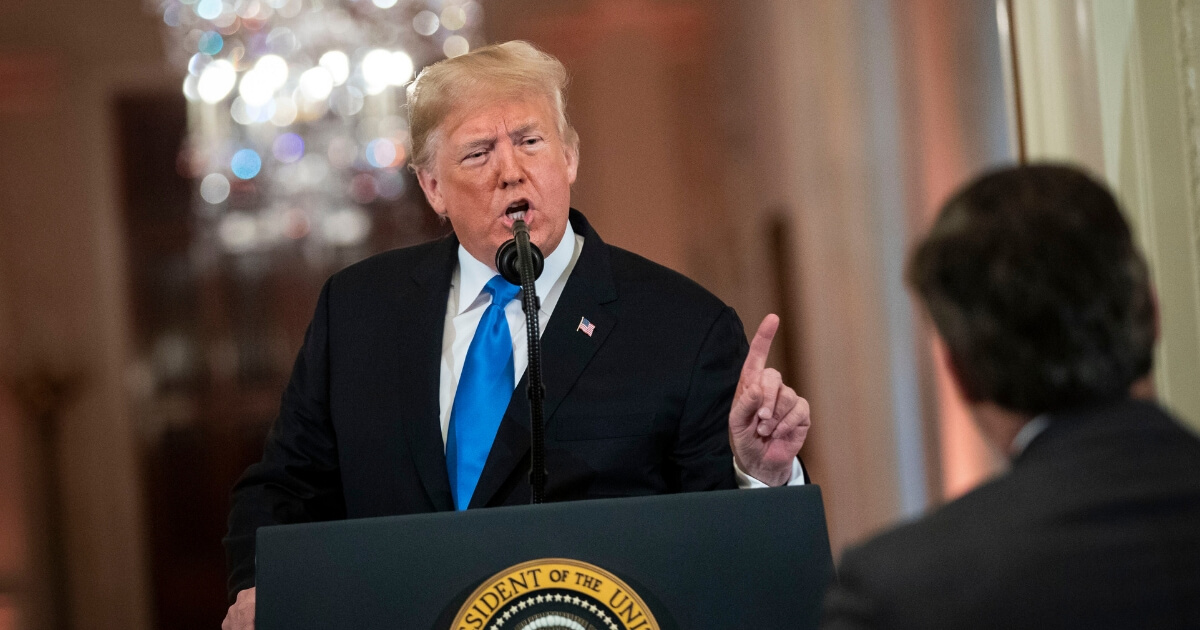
[723,560]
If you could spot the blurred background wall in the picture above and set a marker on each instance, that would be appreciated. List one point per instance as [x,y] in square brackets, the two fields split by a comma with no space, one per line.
[783,153]
[64,344]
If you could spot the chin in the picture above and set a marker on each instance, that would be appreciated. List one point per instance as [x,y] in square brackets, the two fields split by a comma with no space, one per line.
[541,239]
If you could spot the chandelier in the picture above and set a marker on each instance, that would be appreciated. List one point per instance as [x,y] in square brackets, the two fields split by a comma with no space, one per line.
[296,127]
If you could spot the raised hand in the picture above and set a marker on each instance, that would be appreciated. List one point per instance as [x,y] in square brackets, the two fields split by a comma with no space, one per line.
[769,420]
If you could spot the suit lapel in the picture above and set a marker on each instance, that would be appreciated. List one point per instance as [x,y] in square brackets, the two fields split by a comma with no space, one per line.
[420,320]
[566,351]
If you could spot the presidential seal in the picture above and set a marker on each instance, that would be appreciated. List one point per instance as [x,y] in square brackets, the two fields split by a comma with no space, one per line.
[554,594]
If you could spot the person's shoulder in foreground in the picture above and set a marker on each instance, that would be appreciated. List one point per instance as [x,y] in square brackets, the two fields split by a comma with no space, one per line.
[1032,280]
[1104,538]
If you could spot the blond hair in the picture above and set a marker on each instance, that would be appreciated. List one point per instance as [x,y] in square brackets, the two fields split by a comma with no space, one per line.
[511,69]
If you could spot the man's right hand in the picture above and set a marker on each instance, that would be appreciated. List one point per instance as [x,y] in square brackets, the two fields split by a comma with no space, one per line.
[241,613]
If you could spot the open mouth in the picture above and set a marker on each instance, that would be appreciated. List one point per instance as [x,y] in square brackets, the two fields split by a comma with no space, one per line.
[516,210]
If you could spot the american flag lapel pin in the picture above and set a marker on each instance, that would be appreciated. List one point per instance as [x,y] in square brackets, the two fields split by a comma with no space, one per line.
[587,327]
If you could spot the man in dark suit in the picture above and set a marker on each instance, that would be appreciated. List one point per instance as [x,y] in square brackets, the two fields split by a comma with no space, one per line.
[1033,282]
[650,385]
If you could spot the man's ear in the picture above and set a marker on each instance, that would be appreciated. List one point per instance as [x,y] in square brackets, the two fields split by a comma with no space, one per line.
[572,162]
[433,194]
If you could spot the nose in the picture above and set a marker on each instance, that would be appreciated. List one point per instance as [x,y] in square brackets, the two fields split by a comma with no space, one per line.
[509,170]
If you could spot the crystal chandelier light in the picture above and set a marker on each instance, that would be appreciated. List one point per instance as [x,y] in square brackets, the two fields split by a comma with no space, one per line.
[296,126]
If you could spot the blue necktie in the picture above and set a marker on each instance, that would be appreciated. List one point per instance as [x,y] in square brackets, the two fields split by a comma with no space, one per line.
[484,389]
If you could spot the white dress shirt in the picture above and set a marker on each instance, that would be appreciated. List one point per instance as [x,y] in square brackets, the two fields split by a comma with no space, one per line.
[463,316]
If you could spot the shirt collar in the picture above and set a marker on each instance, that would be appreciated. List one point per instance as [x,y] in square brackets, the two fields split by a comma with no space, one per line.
[1027,434]
[473,274]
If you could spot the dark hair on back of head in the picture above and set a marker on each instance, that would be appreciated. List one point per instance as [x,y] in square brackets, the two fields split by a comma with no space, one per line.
[1032,278]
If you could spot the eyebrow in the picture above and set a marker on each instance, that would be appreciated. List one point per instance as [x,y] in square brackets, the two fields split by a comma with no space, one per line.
[524,129]
[479,143]
[483,143]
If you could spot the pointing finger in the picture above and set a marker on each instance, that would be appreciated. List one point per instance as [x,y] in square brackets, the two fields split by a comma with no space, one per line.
[760,346]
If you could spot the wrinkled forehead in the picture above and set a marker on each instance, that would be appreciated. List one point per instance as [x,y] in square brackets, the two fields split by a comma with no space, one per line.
[485,111]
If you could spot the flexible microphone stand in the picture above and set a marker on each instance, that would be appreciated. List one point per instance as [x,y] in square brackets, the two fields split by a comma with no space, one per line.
[521,262]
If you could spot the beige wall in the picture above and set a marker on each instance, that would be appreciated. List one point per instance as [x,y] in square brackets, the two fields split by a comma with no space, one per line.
[814,164]
[62,266]
[14,532]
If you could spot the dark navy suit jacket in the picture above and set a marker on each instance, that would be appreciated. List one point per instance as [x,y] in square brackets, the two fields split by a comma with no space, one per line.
[639,407]
[1097,525]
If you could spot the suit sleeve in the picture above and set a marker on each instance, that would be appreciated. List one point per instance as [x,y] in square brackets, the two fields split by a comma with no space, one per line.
[298,479]
[702,452]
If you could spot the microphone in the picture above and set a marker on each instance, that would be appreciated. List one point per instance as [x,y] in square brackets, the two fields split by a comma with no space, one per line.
[508,256]
[520,262]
